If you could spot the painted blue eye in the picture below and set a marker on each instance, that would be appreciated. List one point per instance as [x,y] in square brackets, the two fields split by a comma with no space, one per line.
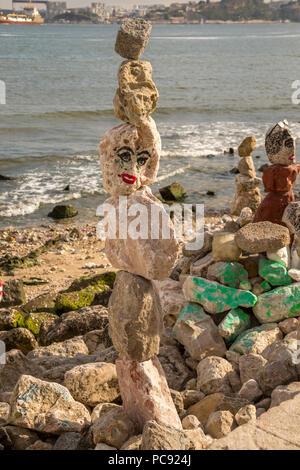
[289,143]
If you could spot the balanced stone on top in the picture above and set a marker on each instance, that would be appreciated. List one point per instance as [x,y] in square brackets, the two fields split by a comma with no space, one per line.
[262,236]
[246,148]
[132,38]
[137,94]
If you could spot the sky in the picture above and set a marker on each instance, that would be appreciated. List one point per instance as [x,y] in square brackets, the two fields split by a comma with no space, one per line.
[81,3]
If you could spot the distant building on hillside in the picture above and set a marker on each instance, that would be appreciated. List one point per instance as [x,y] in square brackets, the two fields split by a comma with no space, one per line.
[98,8]
[55,8]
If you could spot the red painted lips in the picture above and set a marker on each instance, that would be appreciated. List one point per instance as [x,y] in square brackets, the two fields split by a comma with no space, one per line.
[128,179]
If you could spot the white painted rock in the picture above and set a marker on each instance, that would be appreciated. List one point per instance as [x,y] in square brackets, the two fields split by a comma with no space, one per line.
[282,256]
[294,274]
[151,256]
[46,407]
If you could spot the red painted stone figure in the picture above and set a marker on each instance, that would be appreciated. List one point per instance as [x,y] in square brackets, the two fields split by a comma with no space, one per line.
[279,178]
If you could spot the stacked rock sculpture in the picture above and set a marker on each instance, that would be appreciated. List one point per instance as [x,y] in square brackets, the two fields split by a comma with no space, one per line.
[278,178]
[248,193]
[129,156]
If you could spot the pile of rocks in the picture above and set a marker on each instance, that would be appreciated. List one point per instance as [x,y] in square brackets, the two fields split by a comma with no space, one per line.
[247,184]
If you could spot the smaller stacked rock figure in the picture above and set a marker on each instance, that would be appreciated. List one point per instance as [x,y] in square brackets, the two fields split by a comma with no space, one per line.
[279,177]
[248,193]
[129,157]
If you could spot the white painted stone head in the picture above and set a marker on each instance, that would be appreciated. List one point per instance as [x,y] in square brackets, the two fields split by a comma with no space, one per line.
[280,144]
[129,157]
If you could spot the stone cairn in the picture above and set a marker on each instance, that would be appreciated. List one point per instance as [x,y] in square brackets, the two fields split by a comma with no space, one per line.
[247,184]
[129,161]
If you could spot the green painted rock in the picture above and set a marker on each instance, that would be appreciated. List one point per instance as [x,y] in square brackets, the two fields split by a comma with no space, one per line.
[235,322]
[245,285]
[230,274]
[278,304]
[198,333]
[214,297]
[256,339]
[273,272]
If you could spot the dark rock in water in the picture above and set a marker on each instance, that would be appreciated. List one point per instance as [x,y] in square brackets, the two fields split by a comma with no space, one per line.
[13,293]
[67,188]
[257,156]
[210,155]
[63,212]
[234,170]
[231,151]
[6,178]
[210,193]
[262,167]
[173,192]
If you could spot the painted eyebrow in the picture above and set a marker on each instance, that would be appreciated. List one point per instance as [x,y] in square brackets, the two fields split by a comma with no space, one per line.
[125,148]
[145,152]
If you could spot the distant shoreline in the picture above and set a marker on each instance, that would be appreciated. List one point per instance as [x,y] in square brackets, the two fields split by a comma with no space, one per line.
[185,22]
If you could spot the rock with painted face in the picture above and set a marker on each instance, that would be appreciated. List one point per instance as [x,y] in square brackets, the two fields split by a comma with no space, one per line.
[144,241]
[280,145]
[137,94]
[129,157]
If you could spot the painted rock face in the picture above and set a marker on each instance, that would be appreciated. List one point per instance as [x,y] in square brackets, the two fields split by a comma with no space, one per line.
[280,145]
[129,157]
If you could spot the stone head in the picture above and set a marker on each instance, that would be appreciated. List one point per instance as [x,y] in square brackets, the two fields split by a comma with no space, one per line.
[129,157]
[280,145]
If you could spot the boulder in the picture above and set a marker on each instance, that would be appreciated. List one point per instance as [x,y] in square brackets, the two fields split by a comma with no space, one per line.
[282,302]
[291,216]
[137,95]
[235,322]
[245,415]
[229,274]
[173,192]
[135,317]
[198,333]
[67,441]
[19,338]
[16,365]
[13,293]
[224,247]
[46,407]
[250,366]
[289,325]
[256,339]
[63,212]
[161,437]
[276,373]
[250,390]
[191,422]
[94,383]
[219,424]
[246,167]
[262,236]
[213,375]
[190,397]
[176,371]
[281,256]
[188,250]
[214,297]
[246,148]
[113,428]
[145,393]
[284,392]
[133,443]
[199,267]
[69,348]
[171,298]
[4,413]
[132,38]
[274,272]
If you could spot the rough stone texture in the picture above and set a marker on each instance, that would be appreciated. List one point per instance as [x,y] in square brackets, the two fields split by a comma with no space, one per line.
[77,323]
[135,317]
[173,364]
[235,322]
[145,393]
[224,247]
[160,437]
[178,401]
[137,94]
[102,446]
[116,160]
[113,428]
[13,293]
[16,365]
[246,215]
[246,183]
[69,348]
[190,397]
[214,297]
[294,274]
[245,198]
[251,366]
[280,303]
[250,391]
[19,338]
[277,429]
[229,274]
[17,438]
[246,167]
[213,375]
[46,407]
[199,267]
[40,445]
[198,333]
[280,256]
[4,413]
[256,339]
[101,409]
[288,325]
[91,384]
[262,236]
[171,298]
[245,414]
[276,373]
[133,443]
[67,441]
[190,422]
[219,424]
[291,217]
[284,392]
[152,258]
[132,38]
[97,340]
[189,250]
[246,148]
